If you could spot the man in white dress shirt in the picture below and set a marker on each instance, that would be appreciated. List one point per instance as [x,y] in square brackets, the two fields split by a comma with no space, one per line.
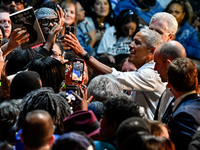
[145,81]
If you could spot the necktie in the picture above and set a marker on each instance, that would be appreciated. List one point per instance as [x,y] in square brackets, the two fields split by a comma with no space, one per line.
[168,113]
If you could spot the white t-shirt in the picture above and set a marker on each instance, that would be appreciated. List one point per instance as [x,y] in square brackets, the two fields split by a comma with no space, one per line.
[110,45]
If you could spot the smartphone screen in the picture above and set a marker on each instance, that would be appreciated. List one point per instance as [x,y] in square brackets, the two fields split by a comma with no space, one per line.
[70,97]
[77,70]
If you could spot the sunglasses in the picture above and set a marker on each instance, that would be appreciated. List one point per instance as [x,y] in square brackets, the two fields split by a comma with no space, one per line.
[130,12]
[46,22]
[8,2]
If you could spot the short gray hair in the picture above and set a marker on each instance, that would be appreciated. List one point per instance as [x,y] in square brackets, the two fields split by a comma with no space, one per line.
[170,19]
[103,86]
[153,38]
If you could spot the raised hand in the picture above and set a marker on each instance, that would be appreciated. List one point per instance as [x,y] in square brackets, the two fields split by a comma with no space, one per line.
[52,36]
[72,41]
[82,98]
[61,16]
[18,36]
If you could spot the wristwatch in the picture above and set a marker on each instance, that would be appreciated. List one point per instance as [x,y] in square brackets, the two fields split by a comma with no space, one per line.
[87,57]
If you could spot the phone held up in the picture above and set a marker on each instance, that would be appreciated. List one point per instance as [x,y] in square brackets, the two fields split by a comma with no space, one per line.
[69,29]
[71,99]
[78,67]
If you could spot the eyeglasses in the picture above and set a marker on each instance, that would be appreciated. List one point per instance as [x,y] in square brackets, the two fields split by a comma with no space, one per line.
[8,2]
[46,22]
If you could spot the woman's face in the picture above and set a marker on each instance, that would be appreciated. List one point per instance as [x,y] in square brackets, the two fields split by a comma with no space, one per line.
[129,28]
[71,14]
[80,12]
[101,8]
[177,11]
[128,66]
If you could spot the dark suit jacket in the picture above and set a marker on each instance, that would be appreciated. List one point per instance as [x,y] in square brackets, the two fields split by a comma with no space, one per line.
[157,108]
[195,142]
[184,121]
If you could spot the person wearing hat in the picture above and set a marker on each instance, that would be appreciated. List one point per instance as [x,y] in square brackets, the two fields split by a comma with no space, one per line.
[51,19]
[82,120]
[72,141]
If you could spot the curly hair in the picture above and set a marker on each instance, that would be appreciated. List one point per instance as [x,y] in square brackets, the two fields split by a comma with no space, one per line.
[45,99]
[5,88]
[120,107]
[103,86]
[8,116]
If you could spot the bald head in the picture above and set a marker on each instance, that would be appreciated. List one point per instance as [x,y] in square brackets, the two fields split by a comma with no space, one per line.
[37,129]
[171,50]
[164,54]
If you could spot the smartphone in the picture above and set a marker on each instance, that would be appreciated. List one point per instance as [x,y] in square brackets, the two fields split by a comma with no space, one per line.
[77,70]
[71,99]
[69,29]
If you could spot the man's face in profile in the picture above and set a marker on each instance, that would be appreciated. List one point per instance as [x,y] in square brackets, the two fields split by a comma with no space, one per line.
[160,27]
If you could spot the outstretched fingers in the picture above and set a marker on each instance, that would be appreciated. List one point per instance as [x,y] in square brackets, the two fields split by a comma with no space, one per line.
[61,15]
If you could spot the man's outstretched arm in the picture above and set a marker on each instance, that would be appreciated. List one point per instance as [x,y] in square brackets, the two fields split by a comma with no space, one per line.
[98,67]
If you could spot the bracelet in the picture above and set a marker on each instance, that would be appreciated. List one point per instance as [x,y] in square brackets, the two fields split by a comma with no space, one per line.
[87,57]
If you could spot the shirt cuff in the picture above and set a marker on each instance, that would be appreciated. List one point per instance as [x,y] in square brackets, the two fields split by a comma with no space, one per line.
[114,72]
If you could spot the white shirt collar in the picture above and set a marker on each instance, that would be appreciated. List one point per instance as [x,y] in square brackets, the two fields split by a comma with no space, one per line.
[178,100]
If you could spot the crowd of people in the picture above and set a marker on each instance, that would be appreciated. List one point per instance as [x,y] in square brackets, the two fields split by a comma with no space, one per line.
[138,70]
